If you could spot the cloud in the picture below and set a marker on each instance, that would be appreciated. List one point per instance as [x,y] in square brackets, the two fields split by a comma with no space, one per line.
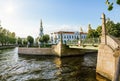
[65,27]
[53,28]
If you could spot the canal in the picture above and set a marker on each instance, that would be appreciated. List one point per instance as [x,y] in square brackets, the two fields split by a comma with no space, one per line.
[46,68]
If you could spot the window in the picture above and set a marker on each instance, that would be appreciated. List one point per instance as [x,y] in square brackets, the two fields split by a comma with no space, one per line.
[70,37]
[64,37]
[75,37]
[67,36]
[58,36]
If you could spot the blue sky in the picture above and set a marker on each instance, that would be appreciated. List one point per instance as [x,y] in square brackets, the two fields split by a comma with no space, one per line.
[23,16]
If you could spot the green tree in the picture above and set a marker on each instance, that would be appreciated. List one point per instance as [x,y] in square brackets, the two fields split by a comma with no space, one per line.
[12,40]
[110,4]
[4,31]
[99,30]
[2,38]
[117,26]
[45,38]
[7,37]
[19,41]
[30,39]
[25,42]
[11,37]
[41,39]
[112,29]
[37,40]
[92,34]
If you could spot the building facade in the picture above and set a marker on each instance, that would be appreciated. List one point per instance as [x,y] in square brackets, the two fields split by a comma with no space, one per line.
[67,36]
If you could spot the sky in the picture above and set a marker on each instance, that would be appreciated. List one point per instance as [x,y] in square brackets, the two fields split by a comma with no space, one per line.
[23,16]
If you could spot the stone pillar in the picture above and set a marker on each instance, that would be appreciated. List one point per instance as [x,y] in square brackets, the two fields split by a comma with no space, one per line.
[61,39]
[59,46]
[117,69]
[104,33]
[117,65]
[103,24]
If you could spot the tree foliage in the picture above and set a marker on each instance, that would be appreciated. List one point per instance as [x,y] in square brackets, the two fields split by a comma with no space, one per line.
[24,42]
[7,37]
[110,4]
[19,41]
[45,38]
[99,30]
[92,34]
[112,29]
[30,39]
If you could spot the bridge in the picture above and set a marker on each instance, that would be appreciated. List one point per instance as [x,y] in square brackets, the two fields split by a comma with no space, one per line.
[108,60]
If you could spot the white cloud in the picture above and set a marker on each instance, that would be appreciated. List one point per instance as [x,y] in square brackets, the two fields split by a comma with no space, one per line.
[53,28]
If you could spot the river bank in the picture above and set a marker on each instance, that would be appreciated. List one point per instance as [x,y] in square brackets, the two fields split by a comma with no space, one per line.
[7,47]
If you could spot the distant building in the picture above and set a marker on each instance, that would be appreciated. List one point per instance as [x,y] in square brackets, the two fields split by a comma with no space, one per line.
[67,36]
[41,29]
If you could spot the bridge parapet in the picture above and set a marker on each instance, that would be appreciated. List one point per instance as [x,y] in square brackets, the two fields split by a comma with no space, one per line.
[108,60]
[113,42]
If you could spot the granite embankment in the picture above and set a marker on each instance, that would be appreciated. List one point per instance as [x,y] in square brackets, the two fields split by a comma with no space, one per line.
[56,50]
[7,47]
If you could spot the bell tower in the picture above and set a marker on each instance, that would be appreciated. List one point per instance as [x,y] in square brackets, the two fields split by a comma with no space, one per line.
[41,29]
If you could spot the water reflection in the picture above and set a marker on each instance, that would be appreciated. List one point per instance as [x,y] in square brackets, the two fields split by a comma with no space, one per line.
[57,62]
[42,68]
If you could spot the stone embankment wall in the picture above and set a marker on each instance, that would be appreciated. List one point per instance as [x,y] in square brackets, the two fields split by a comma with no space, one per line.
[56,50]
[35,51]
[63,50]
[7,47]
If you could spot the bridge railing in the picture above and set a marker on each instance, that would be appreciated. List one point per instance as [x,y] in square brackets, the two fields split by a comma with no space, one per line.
[91,41]
[87,41]
[113,42]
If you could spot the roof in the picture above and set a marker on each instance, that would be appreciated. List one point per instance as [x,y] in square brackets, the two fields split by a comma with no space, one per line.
[65,32]
[68,32]
[83,33]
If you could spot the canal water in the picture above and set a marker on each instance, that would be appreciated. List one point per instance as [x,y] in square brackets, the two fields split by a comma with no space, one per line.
[46,68]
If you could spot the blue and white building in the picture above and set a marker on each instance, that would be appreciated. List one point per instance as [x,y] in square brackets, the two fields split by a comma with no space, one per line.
[67,36]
